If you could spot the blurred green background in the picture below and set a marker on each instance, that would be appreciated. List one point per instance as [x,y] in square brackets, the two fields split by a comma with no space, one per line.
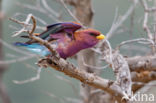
[36,92]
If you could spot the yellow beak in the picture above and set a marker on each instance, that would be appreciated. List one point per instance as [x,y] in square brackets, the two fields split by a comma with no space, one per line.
[100,37]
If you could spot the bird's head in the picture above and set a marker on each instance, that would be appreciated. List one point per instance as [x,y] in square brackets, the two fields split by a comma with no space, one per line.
[89,36]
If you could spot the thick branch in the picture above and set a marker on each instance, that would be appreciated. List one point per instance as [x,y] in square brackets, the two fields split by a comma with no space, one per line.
[140,63]
[69,69]
[119,66]
[142,77]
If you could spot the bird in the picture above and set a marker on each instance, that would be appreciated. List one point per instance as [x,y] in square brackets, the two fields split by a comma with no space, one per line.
[67,38]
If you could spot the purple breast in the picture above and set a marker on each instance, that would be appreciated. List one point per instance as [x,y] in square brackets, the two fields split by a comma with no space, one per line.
[72,50]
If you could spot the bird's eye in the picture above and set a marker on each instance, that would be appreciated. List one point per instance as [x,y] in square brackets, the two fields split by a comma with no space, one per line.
[69,35]
[92,34]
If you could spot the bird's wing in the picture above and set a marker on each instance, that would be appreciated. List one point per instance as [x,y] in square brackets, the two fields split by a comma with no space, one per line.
[66,27]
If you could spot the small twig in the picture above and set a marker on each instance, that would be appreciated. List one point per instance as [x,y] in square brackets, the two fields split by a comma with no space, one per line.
[25,24]
[138,48]
[110,54]
[96,50]
[72,100]
[63,100]
[37,77]
[72,15]
[39,9]
[55,97]
[146,14]
[20,59]
[34,24]
[30,66]
[146,8]
[47,7]
[113,23]
[70,83]
[95,67]
[118,23]
[132,19]
[18,22]
[134,40]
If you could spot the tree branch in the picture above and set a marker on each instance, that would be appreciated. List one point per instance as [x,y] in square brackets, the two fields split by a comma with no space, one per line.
[69,69]
[142,77]
[141,63]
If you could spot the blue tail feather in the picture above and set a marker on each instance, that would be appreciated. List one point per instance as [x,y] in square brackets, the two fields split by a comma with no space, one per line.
[36,48]
[20,44]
